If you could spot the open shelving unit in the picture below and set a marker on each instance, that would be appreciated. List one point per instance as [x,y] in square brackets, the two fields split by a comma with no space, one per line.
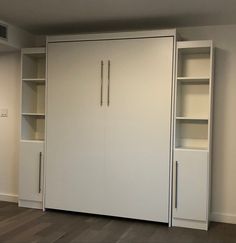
[192,134]
[32,116]
[193,91]
[33,94]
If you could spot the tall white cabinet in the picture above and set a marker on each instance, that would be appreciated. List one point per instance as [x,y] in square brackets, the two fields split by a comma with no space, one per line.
[32,127]
[192,135]
[109,125]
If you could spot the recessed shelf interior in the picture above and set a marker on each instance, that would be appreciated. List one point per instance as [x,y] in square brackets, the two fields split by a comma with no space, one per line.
[32,127]
[34,80]
[193,62]
[192,99]
[33,97]
[191,134]
[33,66]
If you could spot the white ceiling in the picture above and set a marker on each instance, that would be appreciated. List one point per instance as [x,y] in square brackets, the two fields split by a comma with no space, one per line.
[64,16]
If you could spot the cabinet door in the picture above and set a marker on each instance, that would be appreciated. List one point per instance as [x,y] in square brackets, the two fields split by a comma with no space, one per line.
[31,167]
[191,185]
[138,128]
[75,127]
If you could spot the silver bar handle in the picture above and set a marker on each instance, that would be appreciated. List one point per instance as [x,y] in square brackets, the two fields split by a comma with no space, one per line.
[101,94]
[176,183]
[40,169]
[109,81]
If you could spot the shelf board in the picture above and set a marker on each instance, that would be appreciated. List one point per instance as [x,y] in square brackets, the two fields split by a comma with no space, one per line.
[34,80]
[32,141]
[184,148]
[191,118]
[194,79]
[32,114]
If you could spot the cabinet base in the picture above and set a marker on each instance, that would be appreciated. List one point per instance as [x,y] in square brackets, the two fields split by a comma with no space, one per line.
[30,204]
[192,224]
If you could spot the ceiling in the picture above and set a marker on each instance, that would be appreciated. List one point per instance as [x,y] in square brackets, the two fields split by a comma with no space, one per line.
[68,16]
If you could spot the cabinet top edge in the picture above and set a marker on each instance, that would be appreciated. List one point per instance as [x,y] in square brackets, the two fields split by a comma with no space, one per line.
[194,44]
[34,50]
[112,35]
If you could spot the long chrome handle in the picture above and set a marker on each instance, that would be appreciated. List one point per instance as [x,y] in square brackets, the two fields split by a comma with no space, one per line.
[109,81]
[40,169]
[176,183]
[101,94]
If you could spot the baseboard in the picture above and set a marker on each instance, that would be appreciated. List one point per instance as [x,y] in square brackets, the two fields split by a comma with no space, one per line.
[8,197]
[30,204]
[223,218]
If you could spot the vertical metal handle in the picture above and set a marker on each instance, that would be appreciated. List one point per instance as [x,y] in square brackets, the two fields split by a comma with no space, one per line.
[40,169]
[109,81]
[176,183]
[101,94]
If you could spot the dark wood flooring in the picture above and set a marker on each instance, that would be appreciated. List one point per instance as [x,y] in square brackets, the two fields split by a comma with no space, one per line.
[29,225]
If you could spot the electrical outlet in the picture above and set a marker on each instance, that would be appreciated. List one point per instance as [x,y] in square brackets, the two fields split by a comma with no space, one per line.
[3,112]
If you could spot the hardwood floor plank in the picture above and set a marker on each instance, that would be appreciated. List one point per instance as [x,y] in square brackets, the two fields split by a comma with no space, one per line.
[21,225]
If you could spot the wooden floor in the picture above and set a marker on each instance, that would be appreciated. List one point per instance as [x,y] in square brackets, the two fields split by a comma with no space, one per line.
[28,225]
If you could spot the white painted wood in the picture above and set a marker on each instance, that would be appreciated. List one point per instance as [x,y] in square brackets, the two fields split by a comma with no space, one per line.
[197,45]
[75,168]
[193,99]
[108,144]
[33,66]
[138,128]
[112,35]
[191,118]
[193,136]
[210,127]
[30,204]
[191,133]
[33,114]
[191,188]
[33,97]
[194,79]
[29,171]
[32,127]
[192,224]
[33,93]
[34,80]
[34,51]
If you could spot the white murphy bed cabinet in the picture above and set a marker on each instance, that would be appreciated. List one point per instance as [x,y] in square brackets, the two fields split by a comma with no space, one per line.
[192,142]
[32,127]
[109,127]
[109,124]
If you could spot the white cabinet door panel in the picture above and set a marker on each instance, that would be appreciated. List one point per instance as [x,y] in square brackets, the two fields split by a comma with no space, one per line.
[191,187]
[75,128]
[138,128]
[111,160]
[29,181]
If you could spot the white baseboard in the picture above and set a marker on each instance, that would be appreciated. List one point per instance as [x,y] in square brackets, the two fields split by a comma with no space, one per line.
[223,218]
[8,197]
[30,204]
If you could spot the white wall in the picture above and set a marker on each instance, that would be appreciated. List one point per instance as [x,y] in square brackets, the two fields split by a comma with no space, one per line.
[17,38]
[9,127]
[224,132]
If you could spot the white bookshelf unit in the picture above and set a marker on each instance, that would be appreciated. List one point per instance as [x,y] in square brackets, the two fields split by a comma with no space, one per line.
[32,126]
[192,134]
[33,93]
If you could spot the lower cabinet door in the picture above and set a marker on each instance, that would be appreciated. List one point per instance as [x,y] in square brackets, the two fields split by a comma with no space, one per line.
[31,168]
[191,185]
